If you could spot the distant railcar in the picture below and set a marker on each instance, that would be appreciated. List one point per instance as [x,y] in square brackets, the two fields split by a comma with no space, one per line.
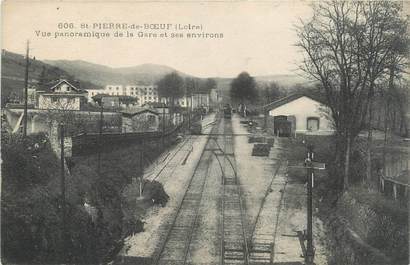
[196,128]
[227,112]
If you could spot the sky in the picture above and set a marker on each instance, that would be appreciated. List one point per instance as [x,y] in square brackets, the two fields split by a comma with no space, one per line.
[258,37]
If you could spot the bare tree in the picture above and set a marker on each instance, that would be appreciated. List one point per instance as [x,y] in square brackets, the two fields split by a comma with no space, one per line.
[346,46]
[384,45]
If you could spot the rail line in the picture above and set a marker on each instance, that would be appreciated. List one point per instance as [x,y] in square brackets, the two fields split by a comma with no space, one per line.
[234,246]
[262,242]
[174,160]
[175,247]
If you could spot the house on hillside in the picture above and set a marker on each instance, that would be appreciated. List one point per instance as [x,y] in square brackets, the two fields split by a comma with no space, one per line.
[93,92]
[63,96]
[140,120]
[299,114]
[115,102]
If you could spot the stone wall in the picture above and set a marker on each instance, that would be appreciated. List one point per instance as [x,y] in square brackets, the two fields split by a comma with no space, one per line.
[368,233]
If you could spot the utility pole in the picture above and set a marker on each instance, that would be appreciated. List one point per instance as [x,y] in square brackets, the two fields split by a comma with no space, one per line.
[141,166]
[100,138]
[310,252]
[26,92]
[63,198]
[189,114]
[163,127]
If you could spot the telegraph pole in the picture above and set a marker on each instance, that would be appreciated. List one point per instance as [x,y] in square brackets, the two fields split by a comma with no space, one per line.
[99,139]
[63,197]
[141,166]
[189,114]
[163,126]
[26,92]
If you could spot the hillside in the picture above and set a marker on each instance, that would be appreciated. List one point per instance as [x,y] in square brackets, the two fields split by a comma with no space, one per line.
[13,70]
[103,75]
[91,75]
[287,82]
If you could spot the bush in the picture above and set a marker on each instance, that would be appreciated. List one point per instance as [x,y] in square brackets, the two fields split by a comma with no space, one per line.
[31,206]
[153,190]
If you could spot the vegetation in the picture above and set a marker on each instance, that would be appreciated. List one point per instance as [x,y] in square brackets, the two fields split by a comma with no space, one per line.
[270,93]
[379,221]
[243,88]
[99,213]
[196,85]
[31,206]
[171,86]
[13,68]
[349,47]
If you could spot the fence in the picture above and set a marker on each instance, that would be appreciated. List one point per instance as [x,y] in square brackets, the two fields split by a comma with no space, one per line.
[394,188]
[87,144]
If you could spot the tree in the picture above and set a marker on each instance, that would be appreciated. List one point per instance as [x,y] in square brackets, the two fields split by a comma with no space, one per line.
[171,86]
[346,46]
[243,88]
[209,84]
[270,93]
[189,86]
[384,44]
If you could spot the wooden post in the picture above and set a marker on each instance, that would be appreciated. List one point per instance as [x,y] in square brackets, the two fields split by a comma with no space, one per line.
[141,167]
[163,127]
[394,190]
[272,253]
[26,92]
[99,140]
[63,197]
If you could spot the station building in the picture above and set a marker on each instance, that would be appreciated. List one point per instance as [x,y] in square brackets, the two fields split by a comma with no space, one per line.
[299,114]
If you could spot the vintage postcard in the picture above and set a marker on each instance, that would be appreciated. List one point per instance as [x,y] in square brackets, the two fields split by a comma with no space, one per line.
[205,133]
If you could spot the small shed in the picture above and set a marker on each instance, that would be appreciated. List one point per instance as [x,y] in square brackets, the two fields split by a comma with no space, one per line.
[299,114]
[140,120]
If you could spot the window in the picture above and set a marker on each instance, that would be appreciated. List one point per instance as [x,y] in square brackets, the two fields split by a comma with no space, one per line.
[54,100]
[117,88]
[312,123]
[151,119]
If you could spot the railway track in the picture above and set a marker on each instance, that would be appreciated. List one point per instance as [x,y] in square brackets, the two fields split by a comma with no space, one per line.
[175,247]
[174,159]
[234,246]
[179,234]
[262,242]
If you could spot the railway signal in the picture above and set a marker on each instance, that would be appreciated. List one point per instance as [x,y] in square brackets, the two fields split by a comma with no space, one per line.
[310,165]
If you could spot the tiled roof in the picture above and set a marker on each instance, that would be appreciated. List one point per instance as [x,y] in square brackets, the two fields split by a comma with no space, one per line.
[134,111]
[290,98]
